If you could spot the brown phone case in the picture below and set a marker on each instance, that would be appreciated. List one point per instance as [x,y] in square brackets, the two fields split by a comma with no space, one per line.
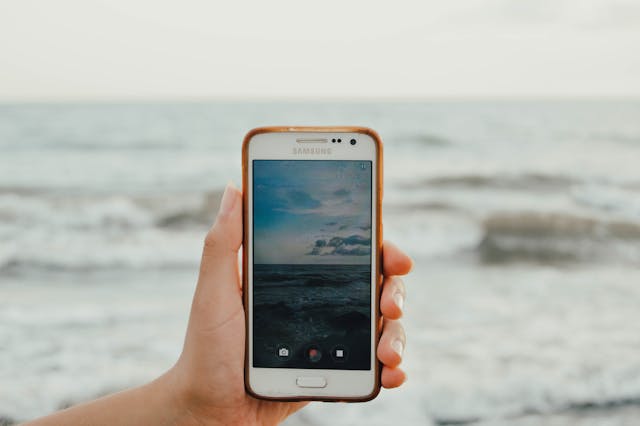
[378,253]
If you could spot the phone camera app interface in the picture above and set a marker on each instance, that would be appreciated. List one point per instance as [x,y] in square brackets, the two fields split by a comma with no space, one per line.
[312,264]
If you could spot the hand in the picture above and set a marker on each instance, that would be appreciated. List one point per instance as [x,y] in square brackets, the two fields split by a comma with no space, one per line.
[208,379]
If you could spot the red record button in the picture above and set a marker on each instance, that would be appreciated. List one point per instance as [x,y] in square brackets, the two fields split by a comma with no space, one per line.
[314,354]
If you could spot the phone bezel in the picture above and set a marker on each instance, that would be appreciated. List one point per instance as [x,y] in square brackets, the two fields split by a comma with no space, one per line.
[277,144]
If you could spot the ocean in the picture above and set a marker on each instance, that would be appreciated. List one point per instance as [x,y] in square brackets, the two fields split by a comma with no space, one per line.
[304,306]
[523,218]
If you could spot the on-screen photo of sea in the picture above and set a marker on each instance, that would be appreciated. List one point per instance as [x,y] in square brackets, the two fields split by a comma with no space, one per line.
[299,307]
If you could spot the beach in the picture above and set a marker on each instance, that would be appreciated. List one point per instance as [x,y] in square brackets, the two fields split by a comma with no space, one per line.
[523,219]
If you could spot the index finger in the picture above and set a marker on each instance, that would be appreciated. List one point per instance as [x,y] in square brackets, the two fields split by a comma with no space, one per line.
[394,260]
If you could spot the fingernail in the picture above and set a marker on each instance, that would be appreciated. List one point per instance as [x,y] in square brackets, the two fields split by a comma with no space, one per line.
[228,199]
[399,299]
[398,346]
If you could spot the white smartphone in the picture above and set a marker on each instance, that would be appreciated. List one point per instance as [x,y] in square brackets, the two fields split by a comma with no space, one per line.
[311,262]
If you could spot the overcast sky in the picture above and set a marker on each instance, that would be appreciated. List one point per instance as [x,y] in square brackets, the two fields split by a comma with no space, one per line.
[89,49]
[312,212]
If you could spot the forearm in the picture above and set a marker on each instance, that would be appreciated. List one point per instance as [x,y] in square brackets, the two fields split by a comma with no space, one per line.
[156,403]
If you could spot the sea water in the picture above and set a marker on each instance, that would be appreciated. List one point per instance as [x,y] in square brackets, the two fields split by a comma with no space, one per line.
[303,306]
[523,218]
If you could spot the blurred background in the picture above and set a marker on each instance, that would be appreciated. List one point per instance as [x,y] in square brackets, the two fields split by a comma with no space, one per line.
[512,176]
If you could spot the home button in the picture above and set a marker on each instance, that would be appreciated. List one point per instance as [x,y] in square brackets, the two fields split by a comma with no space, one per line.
[311,382]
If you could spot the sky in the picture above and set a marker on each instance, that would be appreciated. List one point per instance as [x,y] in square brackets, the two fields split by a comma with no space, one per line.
[312,212]
[147,49]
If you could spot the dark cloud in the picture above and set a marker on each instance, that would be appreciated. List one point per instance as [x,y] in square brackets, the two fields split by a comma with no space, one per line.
[301,199]
[331,223]
[334,242]
[353,245]
[315,251]
[356,240]
[365,228]
[343,227]
[356,251]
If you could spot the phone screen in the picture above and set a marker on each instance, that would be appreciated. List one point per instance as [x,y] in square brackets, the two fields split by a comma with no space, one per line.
[312,264]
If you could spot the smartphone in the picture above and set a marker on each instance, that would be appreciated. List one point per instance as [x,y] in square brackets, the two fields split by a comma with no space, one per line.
[311,262]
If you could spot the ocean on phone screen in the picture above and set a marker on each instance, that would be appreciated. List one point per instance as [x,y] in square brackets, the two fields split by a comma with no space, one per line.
[523,218]
[303,305]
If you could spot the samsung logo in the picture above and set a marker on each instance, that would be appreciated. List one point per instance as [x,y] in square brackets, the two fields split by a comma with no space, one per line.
[311,151]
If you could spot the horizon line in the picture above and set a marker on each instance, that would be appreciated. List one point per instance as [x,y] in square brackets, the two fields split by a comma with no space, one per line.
[313,99]
[313,264]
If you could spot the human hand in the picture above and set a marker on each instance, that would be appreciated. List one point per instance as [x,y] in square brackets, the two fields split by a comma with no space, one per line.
[208,379]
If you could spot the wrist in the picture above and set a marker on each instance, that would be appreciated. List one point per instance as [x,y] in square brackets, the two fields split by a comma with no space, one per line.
[176,405]
[188,405]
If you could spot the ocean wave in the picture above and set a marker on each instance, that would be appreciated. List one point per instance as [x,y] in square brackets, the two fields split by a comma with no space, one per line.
[570,414]
[17,265]
[588,413]
[22,190]
[524,181]
[79,232]
[72,212]
[535,224]
[427,205]
[605,404]
[65,251]
[202,214]
[31,207]
[7,420]
[554,237]
[621,200]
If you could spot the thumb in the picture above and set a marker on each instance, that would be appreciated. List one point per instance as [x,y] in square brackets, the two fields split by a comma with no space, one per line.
[218,292]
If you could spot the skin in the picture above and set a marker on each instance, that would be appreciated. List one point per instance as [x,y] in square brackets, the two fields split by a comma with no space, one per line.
[206,385]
